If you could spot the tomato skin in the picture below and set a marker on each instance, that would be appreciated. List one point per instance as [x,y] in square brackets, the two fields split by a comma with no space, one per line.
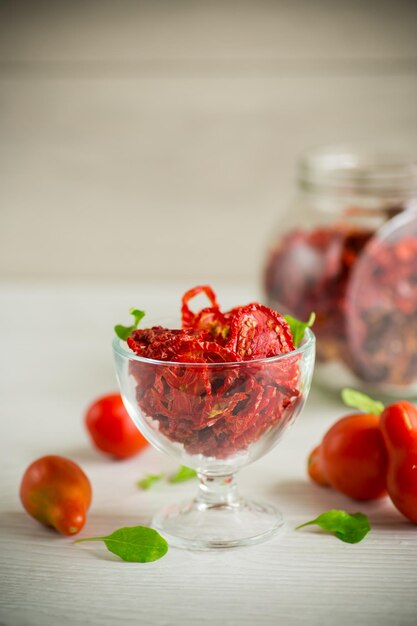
[56,492]
[111,429]
[314,468]
[353,457]
[399,429]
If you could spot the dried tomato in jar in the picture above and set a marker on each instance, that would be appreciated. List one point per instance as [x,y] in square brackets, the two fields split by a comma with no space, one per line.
[333,256]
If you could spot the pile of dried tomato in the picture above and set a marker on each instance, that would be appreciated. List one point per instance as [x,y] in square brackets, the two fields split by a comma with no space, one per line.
[217,410]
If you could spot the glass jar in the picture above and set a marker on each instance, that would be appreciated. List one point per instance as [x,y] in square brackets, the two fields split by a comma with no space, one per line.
[348,251]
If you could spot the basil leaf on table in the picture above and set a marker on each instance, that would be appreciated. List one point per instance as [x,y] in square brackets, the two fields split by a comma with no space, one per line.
[183,474]
[149,480]
[349,528]
[136,544]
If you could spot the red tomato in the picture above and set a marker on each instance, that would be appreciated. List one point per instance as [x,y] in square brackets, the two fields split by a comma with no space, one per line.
[314,468]
[352,458]
[399,429]
[111,428]
[56,492]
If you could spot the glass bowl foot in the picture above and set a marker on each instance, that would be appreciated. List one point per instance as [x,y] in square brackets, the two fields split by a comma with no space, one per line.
[197,526]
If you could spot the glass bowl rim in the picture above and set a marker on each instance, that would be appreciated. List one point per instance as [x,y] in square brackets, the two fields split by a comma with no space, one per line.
[307,343]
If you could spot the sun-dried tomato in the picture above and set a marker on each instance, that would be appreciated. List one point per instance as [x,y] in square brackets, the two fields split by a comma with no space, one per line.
[163,344]
[214,322]
[258,332]
[216,408]
[204,352]
[188,317]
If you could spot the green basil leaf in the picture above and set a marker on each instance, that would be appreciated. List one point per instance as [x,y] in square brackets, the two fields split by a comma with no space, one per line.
[149,480]
[123,332]
[298,328]
[136,544]
[349,528]
[361,401]
[183,474]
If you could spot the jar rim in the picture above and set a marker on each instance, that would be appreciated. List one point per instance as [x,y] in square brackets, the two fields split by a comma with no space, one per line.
[358,170]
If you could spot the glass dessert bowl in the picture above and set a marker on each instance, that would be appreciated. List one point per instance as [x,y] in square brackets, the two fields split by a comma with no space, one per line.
[216,418]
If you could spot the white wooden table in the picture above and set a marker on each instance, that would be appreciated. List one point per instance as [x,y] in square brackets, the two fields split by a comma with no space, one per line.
[56,357]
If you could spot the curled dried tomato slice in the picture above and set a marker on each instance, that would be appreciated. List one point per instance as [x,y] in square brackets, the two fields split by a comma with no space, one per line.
[187,345]
[162,344]
[257,332]
[141,340]
[188,317]
[214,322]
[204,352]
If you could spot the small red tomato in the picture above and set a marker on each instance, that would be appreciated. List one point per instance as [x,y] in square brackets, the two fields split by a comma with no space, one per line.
[352,458]
[56,492]
[111,428]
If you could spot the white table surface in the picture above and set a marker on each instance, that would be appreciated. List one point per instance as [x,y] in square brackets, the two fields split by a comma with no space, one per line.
[56,358]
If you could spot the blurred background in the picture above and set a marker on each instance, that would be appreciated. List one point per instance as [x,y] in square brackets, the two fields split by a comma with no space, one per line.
[157,140]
